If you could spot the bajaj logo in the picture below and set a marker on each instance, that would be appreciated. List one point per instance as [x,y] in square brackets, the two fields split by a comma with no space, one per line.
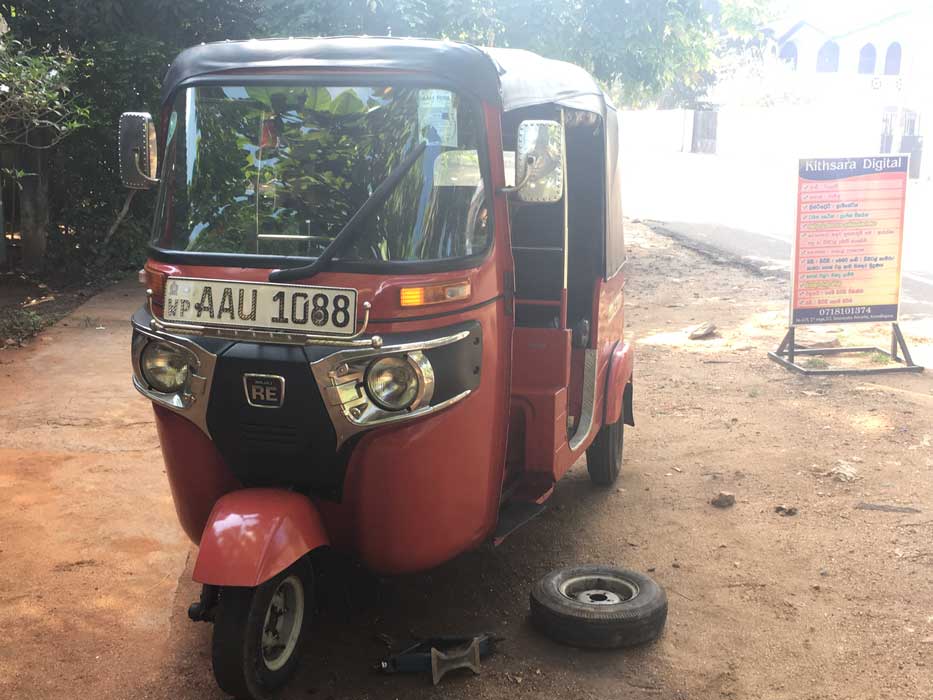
[264,390]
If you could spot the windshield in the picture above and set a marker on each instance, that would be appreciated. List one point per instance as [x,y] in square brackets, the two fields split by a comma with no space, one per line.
[260,170]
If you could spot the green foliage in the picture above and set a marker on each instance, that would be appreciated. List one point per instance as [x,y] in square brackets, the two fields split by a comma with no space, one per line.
[18,324]
[645,49]
[815,363]
[644,46]
[132,44]
[36,96]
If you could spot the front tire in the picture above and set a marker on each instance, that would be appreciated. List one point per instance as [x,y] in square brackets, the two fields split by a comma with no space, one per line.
[259,632]
[604,455]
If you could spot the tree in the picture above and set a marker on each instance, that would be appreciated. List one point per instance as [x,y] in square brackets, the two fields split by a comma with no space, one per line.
[131,44]
[643,47]
[38,110]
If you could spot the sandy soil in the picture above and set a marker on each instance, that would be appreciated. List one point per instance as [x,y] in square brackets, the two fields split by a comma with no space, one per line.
[831,603]
[89,549]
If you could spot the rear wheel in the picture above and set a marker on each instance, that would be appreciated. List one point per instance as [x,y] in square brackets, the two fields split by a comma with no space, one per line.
[604,455]
[258,633]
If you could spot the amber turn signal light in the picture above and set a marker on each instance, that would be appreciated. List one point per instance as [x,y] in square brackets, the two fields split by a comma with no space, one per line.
[435,294]
[154,280]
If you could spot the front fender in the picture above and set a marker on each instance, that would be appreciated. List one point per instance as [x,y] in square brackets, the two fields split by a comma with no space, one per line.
[253,534]
[618,392]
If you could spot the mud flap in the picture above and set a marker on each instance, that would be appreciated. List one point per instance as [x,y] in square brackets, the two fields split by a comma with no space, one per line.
[628,413]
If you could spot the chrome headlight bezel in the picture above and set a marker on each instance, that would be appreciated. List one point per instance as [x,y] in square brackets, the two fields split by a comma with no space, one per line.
[191,402]
[418,368]
[341,378]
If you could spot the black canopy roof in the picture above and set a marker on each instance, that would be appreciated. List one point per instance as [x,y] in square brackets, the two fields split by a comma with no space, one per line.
[512,77]
[528,79]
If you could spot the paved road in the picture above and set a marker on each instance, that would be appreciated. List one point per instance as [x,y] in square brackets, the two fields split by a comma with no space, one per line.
[747,210]
[773,253]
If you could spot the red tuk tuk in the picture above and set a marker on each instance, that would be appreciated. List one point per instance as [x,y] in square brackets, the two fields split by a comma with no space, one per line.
[384,313]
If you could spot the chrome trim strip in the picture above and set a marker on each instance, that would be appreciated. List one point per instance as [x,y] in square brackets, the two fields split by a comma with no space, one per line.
[425,372]
[587,412]
[265,336]
[418,412]
[355,354]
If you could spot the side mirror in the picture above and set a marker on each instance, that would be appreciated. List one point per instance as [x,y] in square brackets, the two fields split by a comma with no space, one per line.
[539,161]
[139,158]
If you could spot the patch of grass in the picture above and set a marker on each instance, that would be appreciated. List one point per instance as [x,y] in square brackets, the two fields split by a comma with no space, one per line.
[19,324]
[880,358]
[815,363]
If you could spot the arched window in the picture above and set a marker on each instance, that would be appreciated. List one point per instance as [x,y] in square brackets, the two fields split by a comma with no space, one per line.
[892,60]
[789,54]
[866,59]
[827,60]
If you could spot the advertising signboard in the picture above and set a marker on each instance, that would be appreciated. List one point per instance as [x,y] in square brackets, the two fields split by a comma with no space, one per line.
[847,254]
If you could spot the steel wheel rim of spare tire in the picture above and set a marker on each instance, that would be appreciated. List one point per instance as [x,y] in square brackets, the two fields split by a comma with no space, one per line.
[598,590]
[599,607]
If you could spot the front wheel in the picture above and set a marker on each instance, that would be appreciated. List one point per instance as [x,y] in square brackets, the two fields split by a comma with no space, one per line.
[604,455]
[258,633]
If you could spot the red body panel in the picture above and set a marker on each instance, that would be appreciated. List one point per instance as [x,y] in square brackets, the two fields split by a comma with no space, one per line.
[620,373]
[420,493]
[539,393]
[610,310]
[196,472]
[253,534]
[543,360]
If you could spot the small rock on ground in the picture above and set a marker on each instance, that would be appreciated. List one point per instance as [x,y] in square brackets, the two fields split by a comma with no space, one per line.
[724,499]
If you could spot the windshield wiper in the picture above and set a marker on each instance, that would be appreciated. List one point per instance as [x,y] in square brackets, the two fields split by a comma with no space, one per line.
[350,229]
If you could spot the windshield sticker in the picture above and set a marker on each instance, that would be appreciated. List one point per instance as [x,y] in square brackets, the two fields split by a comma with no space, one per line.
[508,160]
[437,117]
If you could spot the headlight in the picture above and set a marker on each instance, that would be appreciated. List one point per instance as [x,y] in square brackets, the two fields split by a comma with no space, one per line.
[393,383]
[164,366]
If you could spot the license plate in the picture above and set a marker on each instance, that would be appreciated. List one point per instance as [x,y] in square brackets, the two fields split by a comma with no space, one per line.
[287,307]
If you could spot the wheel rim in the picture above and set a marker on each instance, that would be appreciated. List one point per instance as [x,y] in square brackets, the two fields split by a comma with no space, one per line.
[282,624]
[598,590]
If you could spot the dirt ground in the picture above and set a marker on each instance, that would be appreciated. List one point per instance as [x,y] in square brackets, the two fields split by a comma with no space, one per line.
[834,602]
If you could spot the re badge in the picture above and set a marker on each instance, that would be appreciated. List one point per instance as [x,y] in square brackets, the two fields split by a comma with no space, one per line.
[264,390]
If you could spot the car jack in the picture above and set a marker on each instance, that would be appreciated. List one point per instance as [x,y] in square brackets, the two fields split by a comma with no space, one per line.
[439,655]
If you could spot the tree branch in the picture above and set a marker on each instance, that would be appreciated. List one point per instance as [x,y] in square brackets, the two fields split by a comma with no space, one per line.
[122,215]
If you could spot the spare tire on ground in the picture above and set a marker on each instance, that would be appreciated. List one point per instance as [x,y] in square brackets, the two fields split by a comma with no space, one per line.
[599,607]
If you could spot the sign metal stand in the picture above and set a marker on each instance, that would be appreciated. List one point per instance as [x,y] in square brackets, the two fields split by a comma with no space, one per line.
[788,351]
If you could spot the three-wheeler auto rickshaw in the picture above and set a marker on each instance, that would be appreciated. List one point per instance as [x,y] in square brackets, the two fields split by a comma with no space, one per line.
[384,311]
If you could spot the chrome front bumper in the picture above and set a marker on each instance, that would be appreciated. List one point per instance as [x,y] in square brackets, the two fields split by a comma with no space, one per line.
[340,377]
